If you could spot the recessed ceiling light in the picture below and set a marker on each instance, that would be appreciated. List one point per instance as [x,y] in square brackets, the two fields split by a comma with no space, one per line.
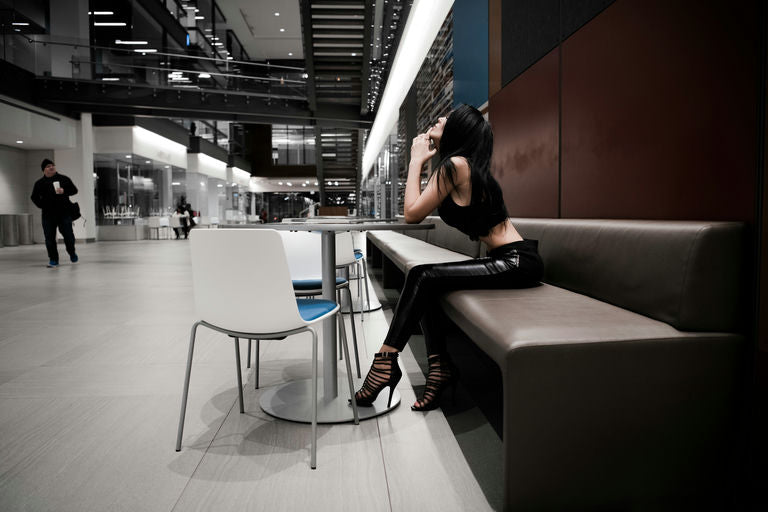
[354,54]
[120,41]
[110,24]
[282,30]
[167,166]
[290,53]
[277,14]
[19,142]
[199,17]
[110,79]
[147,162]
[204,75]
[128,156]
[20,24]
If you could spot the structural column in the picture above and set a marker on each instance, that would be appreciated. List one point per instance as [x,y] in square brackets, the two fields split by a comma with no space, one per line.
[77,163]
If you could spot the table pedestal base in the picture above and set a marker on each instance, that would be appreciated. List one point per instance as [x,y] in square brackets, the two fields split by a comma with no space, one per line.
[292,401]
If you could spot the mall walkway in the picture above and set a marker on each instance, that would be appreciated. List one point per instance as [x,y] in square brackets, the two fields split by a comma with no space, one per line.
[92,360]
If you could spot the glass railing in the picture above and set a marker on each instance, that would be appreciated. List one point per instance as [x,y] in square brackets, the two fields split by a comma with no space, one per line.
[147,66]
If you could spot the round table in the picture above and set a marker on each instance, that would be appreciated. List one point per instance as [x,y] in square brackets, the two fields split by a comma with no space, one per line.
[293,401]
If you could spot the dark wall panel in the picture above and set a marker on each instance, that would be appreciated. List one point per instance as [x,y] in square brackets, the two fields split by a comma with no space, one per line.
[658,112]
[530,29]
[524,117]
[573,15]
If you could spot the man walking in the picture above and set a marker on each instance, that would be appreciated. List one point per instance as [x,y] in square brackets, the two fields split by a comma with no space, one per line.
[51,194]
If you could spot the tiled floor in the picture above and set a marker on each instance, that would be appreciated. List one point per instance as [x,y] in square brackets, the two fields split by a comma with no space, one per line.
[92,362]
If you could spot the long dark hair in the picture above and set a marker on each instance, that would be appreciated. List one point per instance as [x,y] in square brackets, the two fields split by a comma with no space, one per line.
[467,134]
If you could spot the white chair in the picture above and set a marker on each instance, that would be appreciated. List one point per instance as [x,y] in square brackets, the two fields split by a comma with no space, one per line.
[239,313]
[303,253]
[159,224]
[361,271]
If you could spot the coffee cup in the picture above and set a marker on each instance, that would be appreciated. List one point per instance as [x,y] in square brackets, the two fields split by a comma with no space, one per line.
[56,185]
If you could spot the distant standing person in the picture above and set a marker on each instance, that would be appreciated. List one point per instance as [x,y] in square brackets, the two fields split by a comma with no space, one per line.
[263,216]
[191,218]
[51,194]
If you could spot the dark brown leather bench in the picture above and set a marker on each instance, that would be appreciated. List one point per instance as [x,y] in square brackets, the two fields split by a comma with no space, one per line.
[621,371]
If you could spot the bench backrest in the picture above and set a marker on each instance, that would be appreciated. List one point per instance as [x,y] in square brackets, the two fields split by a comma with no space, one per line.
[688,274]
[446,237]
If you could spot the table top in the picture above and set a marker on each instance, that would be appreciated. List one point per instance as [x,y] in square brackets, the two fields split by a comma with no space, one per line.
[337,220]
[321,226]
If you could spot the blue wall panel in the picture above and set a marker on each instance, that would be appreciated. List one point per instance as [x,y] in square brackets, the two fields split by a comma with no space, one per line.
[470,52]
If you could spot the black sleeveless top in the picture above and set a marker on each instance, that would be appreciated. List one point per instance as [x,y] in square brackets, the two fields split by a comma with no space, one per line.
[477,218]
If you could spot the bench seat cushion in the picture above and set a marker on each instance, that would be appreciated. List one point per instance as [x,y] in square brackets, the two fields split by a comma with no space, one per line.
[501,321]
[602,405]
[407,252]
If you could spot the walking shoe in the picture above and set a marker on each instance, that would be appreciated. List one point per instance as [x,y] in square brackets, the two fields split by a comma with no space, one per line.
[53,264]
[73,258]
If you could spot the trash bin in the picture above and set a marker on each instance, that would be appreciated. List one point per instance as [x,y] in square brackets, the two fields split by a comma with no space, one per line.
[10,230]
[24,220]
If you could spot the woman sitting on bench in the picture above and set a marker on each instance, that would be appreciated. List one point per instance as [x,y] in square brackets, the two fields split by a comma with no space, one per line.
[468,198]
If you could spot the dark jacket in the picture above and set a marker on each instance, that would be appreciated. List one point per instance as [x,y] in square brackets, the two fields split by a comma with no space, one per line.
[46,198]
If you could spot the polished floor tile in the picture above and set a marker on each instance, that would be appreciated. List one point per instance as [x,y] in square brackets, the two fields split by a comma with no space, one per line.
[92,360]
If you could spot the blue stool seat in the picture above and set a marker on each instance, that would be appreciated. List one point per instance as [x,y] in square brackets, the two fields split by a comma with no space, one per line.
[358,255]
[309,309]
[313,284]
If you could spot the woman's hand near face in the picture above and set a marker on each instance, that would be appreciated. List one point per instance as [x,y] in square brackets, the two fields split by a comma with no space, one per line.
[420,151]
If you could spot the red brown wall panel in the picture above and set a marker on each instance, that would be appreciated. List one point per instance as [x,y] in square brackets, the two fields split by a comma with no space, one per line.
[658,112]
[524,117]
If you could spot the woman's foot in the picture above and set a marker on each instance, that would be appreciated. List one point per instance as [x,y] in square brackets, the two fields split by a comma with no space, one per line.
[442,373]
[384,372]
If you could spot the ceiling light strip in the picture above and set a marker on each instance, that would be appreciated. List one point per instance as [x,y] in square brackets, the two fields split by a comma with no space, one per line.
[421,28]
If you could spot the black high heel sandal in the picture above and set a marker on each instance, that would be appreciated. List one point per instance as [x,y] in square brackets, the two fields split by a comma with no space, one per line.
[442,375]
[384,372]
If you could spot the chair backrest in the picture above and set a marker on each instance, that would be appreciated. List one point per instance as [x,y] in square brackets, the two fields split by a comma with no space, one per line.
[345,249]
[241,280]
[303,253]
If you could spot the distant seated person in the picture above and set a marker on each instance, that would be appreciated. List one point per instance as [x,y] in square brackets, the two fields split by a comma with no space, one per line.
[183,217]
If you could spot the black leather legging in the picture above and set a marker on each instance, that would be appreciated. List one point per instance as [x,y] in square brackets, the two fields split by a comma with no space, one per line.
[515,265]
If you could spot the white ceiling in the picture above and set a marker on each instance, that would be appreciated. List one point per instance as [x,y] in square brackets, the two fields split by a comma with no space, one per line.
[255,24]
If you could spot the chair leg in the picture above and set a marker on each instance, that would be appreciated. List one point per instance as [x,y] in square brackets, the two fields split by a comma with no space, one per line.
[359,272]
[354,331]
[185,393]
[367,292]
[313,449]
[248,359]
[239,375]
[343,336]
[338,301]
[256,365]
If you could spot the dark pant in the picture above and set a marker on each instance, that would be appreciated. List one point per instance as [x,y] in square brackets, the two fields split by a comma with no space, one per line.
[64,223]
[515,265]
